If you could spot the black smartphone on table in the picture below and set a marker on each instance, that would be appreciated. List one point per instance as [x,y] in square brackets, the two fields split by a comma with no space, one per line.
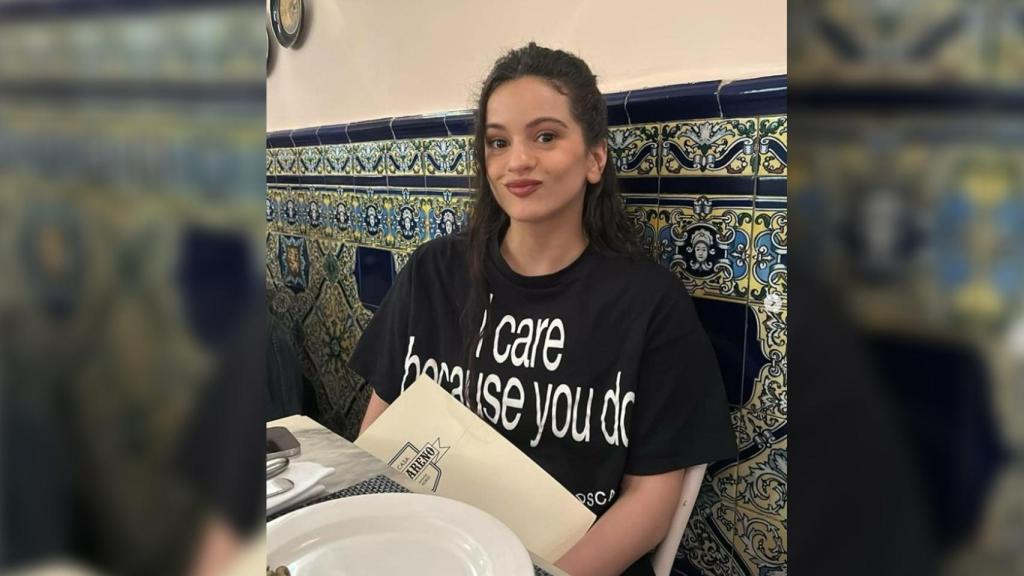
[281,443]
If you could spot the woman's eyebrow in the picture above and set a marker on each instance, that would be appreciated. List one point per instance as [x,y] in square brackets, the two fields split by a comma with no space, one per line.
[532,123]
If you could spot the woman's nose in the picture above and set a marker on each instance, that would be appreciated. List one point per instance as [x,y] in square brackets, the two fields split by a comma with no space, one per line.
[521,158]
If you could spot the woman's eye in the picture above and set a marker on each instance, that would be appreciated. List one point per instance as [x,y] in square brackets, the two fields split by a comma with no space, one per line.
[545,137]
[497,143]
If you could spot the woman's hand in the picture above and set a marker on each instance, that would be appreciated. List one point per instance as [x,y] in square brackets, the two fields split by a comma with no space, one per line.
[635,524]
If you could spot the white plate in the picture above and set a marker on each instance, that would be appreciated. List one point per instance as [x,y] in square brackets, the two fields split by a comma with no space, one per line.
[392,534]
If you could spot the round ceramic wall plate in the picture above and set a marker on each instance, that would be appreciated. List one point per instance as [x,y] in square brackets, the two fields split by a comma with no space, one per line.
[395,534]
[286,17]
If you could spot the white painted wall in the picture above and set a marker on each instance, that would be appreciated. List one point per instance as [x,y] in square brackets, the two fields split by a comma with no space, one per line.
[365,59]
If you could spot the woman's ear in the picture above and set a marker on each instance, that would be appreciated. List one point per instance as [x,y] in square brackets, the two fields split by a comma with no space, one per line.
[596,158]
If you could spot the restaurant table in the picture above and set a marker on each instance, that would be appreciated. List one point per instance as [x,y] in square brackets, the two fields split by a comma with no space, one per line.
[355,470]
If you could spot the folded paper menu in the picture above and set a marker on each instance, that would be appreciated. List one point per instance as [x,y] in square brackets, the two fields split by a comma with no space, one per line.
[445,449]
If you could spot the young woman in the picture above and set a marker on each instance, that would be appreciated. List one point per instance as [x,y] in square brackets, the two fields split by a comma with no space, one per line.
[547,321]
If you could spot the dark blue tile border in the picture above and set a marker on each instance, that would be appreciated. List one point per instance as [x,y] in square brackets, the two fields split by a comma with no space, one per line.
[616,103]
[634,200]
[406,181]
[448,182]
[370,180]
[714,99]
[646,185]
[460,123]
[279,139]
[774,187]
[709,185]
[336,180]
[305,137]
[933,97]
[333,134]
[370,130]
[754,97]
[419,127]
[677,102]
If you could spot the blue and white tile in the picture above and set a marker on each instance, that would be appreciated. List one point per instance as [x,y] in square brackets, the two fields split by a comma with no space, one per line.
[338,159]
[446,156]
[286,161]
[310,160]
[634,149]
[705,241]
[708,147]
[370,212]
[404,158]
[369,158]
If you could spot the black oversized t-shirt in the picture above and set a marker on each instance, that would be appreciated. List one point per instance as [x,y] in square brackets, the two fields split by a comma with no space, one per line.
[599,370]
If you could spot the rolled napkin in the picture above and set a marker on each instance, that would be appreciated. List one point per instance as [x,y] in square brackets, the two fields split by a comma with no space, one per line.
[307,477]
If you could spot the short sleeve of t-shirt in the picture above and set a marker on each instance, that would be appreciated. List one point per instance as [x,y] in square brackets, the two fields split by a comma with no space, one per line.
[681,417]
[378,355]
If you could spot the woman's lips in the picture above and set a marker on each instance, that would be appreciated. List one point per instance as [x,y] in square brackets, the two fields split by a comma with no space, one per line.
[522,188]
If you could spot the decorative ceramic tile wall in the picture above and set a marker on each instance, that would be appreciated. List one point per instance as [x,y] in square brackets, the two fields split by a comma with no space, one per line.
[703,171]
[919,44]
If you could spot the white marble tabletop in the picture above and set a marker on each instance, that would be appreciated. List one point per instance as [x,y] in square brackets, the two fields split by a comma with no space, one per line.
[351,463]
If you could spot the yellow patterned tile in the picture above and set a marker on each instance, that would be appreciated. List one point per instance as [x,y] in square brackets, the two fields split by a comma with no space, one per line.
[769,255]
[286,161]
[714,147]
[311,160]
[761,536]
[634,149]
[368,158]
[271,162]
[404,158]
[765,411]
[705,241]
[338,159]
[447,156]
[772,145]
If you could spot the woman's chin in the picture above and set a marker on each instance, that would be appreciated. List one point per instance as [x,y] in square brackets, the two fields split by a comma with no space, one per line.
[533,213]
[530,217]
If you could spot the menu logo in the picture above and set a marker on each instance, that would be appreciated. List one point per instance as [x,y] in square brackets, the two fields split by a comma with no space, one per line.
[421,464]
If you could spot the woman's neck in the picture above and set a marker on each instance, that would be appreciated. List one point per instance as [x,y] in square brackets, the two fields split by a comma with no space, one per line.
[538,250]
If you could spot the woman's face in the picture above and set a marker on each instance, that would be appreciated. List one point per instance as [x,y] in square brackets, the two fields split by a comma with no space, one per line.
[701,252]
[536,160]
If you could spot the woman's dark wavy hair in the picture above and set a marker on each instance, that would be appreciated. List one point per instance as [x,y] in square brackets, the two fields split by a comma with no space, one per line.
[604,218]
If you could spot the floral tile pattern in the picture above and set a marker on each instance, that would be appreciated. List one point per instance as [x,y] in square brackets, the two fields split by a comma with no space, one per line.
[769,255]
[404,157]
[447,156]
[338,159]
[709,147]
[271,162]
[285,160]
[761,525]
[369,158]
[310,160]
[772,145]
[634,149]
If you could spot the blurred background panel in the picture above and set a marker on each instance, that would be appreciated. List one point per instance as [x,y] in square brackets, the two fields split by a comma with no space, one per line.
[907,179]
[131,307]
